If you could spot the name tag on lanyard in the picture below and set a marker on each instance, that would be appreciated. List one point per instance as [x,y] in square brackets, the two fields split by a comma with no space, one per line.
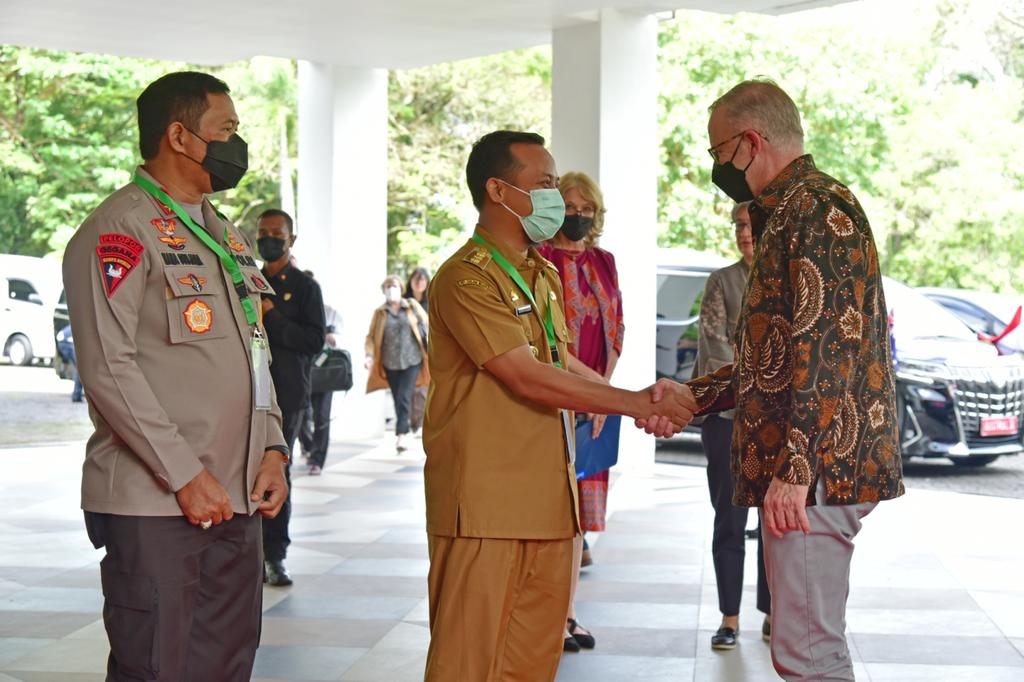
[261,381]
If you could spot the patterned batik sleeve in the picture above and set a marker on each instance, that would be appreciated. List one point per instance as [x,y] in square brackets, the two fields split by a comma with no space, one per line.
[714,392]
[714,345]
[827,255]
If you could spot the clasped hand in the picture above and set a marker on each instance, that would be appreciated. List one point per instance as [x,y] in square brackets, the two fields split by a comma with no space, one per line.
[670,409]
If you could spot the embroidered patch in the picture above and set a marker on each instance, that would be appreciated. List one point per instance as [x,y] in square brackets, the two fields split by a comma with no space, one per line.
[198,317]
[118,255]
[166,227]
[473,283]
[478,257]
[193,281]
[258,283]
[181,259]
[234,244]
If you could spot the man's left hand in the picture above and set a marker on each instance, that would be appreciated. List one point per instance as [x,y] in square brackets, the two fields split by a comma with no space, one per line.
[270,479]
[785,508]
[266,304]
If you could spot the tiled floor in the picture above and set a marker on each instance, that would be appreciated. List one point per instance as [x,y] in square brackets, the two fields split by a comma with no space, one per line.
[938,582]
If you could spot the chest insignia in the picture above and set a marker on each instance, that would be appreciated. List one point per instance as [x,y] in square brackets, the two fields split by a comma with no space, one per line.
[198,317]
[193,281]
[168,233]
[234,244]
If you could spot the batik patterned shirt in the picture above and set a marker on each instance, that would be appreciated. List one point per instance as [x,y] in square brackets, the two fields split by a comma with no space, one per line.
[812,382]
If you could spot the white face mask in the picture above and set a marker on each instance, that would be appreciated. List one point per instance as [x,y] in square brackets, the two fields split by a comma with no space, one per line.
[393,294]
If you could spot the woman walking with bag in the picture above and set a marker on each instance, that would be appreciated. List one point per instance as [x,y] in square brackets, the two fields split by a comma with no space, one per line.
[396,352]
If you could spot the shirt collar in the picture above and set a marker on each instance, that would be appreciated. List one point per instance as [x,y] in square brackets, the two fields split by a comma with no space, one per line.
[517,259]
[764,205]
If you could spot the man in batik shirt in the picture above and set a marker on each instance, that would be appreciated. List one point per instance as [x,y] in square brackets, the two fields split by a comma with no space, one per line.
[815,441]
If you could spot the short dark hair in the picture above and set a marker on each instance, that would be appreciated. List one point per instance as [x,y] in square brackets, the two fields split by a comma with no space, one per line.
[179,96]
[491,157]
[278,213]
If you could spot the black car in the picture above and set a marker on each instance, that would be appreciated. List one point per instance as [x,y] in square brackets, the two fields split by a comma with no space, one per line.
[956,397]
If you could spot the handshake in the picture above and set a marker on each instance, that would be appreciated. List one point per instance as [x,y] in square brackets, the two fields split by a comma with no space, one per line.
[665,408]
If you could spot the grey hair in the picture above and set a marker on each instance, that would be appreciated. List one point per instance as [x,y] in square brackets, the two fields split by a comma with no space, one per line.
[760,104]
[741,206]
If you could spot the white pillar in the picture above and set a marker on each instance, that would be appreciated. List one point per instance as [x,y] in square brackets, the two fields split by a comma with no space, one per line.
[342,212]
[604,122]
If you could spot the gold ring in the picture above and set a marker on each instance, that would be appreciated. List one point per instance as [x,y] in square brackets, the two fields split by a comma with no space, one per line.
[207,524]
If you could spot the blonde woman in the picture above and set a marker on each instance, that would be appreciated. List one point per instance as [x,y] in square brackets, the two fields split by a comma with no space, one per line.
[593,311]
[396,352]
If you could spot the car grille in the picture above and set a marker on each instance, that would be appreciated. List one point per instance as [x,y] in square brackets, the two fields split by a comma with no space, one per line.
[995,391]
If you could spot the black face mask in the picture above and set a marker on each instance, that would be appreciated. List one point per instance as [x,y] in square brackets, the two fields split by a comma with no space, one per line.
[731,180]
[271,248]
[576,227]
[226,162]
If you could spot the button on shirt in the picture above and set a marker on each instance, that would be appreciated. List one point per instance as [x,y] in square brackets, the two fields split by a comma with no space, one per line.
[497,464]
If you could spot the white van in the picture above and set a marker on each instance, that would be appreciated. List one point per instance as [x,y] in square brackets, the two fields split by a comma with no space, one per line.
[32,287]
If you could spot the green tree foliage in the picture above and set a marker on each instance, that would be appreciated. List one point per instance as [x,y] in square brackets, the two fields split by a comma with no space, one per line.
[436,113]
[917,107]
[68,137]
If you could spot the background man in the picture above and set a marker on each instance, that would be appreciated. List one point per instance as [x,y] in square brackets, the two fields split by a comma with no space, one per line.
[815,437]
[294,319]
[187,432]
[719,312]
[500,478]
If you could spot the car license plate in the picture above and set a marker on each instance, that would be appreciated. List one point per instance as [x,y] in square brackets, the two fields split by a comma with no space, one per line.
[999,426]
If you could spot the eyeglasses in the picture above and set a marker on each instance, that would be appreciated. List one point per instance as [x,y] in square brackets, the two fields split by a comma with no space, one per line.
[713,151]
[585,211]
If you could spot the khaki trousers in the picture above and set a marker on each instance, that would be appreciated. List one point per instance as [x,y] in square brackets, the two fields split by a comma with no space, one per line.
[497,609]
[809,579]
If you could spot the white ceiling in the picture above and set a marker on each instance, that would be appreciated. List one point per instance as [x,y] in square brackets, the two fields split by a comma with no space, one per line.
[376,33]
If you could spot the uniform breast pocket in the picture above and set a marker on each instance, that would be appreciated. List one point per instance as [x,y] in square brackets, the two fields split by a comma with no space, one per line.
[256,283]
[194,312]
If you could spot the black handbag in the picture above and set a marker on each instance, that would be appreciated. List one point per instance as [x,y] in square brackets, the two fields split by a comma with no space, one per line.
[332,371]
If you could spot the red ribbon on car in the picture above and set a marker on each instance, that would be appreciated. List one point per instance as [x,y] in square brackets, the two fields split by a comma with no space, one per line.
[1014,323]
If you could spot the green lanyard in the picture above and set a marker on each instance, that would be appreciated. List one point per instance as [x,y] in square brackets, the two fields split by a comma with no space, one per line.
[225,258]
[549,325]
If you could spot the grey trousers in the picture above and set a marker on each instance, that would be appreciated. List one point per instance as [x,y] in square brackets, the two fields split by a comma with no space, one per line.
[809,579]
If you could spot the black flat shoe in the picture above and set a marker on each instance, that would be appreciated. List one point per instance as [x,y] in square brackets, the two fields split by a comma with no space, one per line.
[276,574]
[583,638]
[570,645]
[766,631]
[724,639]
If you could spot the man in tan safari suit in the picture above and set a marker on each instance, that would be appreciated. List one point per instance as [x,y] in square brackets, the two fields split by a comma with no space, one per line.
[187,445]
[500,476]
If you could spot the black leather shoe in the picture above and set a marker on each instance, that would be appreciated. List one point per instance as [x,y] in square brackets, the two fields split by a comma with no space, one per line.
[724,639]
[583,638]
[766,631]
[571,645]
[276,574]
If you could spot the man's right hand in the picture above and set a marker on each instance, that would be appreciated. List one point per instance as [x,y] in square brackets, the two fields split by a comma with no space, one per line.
[204,499]
[673,401]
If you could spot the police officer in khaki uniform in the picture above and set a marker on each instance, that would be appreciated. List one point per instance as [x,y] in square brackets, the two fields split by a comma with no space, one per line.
[163,294]
[500,478]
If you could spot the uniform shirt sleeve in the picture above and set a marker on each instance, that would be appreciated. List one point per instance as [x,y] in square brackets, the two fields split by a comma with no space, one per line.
[473,311]
[827,273]
[304,335]
[104,330]
[714,345]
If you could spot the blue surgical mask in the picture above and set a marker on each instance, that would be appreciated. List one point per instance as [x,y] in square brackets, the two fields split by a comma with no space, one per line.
[547,216]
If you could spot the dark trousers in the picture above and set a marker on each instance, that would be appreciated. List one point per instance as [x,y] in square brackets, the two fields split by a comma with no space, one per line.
[728,545]
[315,441]
[275,530]
[403,384]
[180,604]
